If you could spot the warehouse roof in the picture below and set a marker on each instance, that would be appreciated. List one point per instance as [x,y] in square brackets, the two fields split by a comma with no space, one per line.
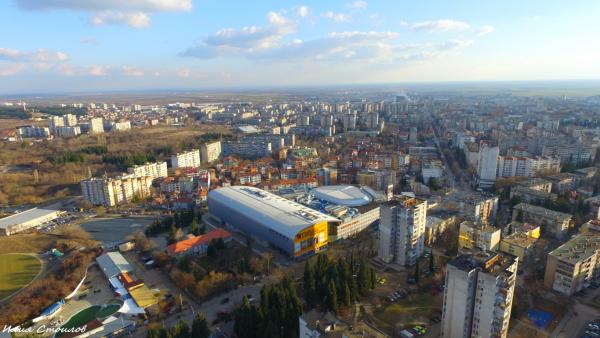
[25,216]
[113,263]
[281,215]
[346,195]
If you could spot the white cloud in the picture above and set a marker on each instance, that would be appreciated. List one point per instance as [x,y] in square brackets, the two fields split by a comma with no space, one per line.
[337,17]
[11,69]
[232,42]
[442,25]
[135,20]
[98,70]
[358,4]
[302,11]
[134,13]
[40,55]
[454,44]
[184,72]
[484,30]
[132,71]
[100,5]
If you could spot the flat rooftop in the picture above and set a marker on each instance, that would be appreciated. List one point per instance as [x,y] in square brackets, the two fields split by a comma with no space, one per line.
[282,215]
[578,248]
[489,262]
[541,211]
[25,216]
[346,195]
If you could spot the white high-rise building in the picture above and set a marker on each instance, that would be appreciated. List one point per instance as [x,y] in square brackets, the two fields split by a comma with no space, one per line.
[70,120]
[402,230]
[210,152]
[186,159]
[96,125]
[487,164]
[509,166]
[54,122]
[110,192]
[153,170]
[478,295]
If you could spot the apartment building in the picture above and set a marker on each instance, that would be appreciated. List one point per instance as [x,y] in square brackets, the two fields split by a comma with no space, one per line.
[402,230]
[114,191]
[554,222]
[478,295]
[479,208]
[483,237]
[153,170]
[210,152]
[33,132]
[67,131]
[487,164]
[573,265]
[246,149]
[96,125]
[510,166]
[188,159]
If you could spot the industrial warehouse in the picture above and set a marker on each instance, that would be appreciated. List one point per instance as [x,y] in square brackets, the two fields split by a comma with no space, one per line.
[287,225]
[26,220]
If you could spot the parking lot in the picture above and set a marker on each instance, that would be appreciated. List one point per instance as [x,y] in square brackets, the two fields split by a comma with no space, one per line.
[112,231]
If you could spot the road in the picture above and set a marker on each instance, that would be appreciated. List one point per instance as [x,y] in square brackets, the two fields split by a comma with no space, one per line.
[456,181]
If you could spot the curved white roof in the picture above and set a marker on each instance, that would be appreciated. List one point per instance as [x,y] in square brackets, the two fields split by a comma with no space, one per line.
[346,195]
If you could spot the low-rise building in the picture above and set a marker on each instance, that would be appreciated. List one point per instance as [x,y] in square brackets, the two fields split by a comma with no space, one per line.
[483,237]
[575,264]
[26,220]
[198,245]
[554,222]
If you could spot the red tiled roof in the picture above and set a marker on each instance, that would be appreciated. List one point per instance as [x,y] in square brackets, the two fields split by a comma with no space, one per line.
[187,244]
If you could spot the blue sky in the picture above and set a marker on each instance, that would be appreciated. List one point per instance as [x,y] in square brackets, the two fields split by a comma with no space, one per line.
[86,45]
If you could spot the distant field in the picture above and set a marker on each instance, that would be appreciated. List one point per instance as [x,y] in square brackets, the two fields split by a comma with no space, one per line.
[16,271]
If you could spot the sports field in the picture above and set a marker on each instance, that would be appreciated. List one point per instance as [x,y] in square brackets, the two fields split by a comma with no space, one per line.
[16,271]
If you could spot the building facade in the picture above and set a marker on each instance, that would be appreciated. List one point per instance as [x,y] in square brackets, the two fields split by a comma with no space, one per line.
[402,230]
[188,159]
[478,295]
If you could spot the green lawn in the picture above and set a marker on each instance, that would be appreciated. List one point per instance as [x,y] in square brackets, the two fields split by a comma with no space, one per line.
[16,271]
[88,314]
[80,318]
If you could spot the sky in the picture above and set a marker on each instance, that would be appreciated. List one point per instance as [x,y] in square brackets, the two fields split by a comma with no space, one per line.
[51,46]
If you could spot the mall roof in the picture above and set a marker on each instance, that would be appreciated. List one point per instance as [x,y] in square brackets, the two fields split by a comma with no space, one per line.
[284,216]
[25,216]
[346,195]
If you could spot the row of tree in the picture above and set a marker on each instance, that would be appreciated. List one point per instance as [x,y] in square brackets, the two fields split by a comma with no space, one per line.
[199,329]
[276,316]
[122,162]
[178,220]
[337,283]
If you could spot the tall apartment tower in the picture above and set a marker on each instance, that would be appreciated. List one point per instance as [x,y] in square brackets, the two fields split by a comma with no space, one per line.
[70,120]
[478,295]
[210,152]
[186,159]
[487,164]
[402,230]
[96,125]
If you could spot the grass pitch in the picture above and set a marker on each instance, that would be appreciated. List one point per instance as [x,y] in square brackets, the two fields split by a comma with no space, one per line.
[16,271]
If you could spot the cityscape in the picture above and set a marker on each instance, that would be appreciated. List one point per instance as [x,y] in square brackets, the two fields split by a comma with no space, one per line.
[344,169]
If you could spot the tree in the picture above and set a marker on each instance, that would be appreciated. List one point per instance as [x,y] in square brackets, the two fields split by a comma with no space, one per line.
[346,295]
[194,228]
[417,272]
[172,235]
[100,211]
[332,298]
[200,327]
[431,263]
[180,330]
[519,216]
